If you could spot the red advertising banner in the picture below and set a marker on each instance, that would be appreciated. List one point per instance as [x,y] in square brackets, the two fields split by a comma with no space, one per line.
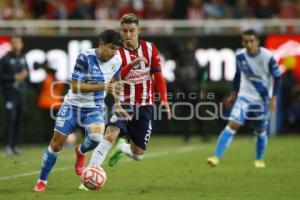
[4,45]
[286,50]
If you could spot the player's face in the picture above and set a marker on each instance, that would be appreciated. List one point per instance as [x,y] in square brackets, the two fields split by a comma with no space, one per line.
[107,50]
[130,34]
[251,43]
[16,44]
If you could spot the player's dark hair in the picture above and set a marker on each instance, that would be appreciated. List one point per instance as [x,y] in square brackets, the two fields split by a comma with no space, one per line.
[129,18]
[111,36]
[250,32]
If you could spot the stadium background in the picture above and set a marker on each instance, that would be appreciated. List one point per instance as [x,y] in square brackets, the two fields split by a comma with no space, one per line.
[197,40]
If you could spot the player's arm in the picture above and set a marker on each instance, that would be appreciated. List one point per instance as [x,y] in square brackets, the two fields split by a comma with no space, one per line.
[118,106]
[80,83]
[126,69]
[235,88]
[82,87]
[160,82]
[274,70]
[4,76]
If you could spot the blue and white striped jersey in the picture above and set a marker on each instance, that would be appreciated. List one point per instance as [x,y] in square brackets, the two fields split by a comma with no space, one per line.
[90,69]
[256,75]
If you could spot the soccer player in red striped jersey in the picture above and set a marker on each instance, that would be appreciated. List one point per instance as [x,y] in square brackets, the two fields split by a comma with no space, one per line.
[141,75]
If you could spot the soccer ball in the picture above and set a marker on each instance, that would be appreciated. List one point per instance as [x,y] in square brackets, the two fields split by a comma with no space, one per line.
[93,177]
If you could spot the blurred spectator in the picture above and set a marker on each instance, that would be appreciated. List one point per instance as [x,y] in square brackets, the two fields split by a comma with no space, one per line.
[217,9]
[106,9]
[13,77]
[242,10]
[49,99]
[83,10]
[179,9]
[167,7]
[195,10]
[264,10]
[189,71]
[57,9]
[287,10]
[11,9]
[125,6]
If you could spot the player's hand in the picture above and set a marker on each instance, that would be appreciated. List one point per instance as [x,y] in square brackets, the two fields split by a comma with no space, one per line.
[137,61]
[272,104]
[114,88]
[168,110]
[120,111]
[21,76]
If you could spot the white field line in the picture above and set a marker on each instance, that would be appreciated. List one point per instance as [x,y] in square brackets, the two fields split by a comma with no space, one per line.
[149,155]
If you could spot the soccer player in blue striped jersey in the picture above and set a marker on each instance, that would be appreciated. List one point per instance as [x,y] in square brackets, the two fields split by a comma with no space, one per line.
[256,84]
[96,72]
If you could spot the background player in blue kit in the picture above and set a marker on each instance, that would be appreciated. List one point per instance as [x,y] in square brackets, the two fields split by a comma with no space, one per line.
[256,85]
[96,72]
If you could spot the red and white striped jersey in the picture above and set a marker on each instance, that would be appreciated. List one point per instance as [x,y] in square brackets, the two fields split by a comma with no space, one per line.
[138,88]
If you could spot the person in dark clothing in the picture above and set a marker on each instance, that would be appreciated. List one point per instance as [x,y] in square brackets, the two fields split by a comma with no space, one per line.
[13,76]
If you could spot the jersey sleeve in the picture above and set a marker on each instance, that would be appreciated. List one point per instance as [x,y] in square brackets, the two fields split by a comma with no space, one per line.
[155,60]
[274,68]
[81,68]
[118,73]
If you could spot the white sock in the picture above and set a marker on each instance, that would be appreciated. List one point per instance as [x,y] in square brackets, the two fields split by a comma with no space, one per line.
[100,152]
[125,148]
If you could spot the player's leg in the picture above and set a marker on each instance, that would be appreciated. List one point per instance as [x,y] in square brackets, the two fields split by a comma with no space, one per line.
[114,127]
[10,123]
[49,160]
[93,121]
[223,142]
[94,134]
[236,119]
[17,128]
[99,154]
[261,139]
[64,125]
[139,132]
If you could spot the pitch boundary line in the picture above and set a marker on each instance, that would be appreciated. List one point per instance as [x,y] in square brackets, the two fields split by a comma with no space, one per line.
[149,155]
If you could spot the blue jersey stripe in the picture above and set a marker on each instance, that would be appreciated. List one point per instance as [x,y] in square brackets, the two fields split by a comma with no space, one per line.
[246,69]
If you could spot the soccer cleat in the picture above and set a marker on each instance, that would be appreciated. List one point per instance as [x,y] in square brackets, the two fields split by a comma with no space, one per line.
[116,153]
[82,187]
[213,161]
[80,161]
[259,164]
[40,186]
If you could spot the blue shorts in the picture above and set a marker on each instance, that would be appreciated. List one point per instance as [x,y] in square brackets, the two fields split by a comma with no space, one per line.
[257,114]
[69,116]
[139,129]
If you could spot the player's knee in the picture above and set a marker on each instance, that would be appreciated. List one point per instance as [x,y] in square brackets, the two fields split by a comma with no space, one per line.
[260,132]
[233,126]
[96,137]
[56,147]
[111,133]
[137,157]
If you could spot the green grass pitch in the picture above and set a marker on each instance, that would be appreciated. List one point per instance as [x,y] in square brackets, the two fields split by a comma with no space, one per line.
[170,170]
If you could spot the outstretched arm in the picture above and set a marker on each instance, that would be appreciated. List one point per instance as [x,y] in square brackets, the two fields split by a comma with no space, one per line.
[162,89]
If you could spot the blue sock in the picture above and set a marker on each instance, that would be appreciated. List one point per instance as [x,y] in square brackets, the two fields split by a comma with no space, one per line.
[224,141]
[261,144]
[90,143]
[49,160]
